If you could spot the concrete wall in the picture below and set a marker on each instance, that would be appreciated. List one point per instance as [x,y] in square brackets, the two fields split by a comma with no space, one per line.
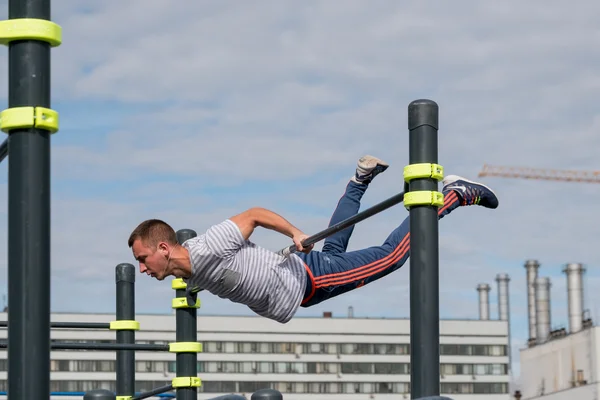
[558,364]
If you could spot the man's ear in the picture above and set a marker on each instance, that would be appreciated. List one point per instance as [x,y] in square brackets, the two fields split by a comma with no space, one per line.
[163,248]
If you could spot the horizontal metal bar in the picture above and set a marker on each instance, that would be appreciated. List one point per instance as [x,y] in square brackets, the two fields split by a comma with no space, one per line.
[71,325]
[101,346]
[229,397]
[80,325]
[109,346]
[353,220]
[81,394]
[152,393]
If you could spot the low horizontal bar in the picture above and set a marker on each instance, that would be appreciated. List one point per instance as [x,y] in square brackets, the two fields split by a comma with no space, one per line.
[229,397]
[81,394]
[71,325]
[153,393]
[101,346]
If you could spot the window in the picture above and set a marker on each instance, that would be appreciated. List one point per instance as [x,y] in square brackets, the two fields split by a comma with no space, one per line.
[247,387]
[472,388]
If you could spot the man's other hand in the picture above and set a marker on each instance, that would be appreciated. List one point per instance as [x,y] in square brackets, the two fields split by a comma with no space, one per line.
[298,239]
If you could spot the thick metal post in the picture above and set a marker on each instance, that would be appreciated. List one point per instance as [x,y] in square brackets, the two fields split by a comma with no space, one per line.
[424,256]
[29,208]
[186,330]
[125,366]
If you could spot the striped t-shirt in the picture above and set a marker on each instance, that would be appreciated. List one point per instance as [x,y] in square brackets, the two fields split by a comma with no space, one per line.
[236,269]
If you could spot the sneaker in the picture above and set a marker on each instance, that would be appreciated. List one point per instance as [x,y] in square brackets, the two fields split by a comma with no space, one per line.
[368,167]
[471,193]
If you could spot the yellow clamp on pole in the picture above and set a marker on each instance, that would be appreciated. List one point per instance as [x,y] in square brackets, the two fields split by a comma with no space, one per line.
[124,398]
[184,381]
[29,117]
[124,325]
[178,284]
[423,170]
[30,29]
[423,197]
[181,302]
[185,347]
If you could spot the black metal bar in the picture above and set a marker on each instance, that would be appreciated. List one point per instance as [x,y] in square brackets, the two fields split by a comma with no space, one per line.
[125,366]
[186,330]
[229,397]
[29,214]
[424,256]
[361,216]
[71,325]
[154,392]
[100,346]
[3,150]
[109,346]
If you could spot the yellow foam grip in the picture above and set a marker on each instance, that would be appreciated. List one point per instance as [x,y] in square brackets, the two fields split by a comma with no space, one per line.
[185,347]
[124,325]
[423,170]
[191,381]
[423,198]
[29,117]
[181,302]
[178,284]
[124,398]
[30,29]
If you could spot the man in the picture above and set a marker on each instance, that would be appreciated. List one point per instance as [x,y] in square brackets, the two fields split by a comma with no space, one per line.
[224,262]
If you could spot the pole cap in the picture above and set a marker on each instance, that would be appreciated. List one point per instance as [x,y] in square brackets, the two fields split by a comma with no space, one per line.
[185,234]
[266,394]
[99,394]
[125,272]
[423,112]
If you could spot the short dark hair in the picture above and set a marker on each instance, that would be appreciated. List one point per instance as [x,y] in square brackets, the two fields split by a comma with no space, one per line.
[153,231]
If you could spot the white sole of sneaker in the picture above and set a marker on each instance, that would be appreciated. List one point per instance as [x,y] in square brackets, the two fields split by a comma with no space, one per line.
[450,179]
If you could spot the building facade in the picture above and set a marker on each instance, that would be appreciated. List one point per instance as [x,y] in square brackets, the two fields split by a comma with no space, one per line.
[565,367]
[328,358]
[559,363]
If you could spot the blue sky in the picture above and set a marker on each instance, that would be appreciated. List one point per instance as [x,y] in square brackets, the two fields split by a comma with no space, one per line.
[194,113]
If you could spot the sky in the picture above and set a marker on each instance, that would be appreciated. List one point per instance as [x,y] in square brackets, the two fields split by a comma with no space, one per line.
[196,112]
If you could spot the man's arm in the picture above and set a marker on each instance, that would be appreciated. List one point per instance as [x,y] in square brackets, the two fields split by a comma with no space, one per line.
[257,216]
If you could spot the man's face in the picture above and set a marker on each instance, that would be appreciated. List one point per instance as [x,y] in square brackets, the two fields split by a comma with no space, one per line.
[153,261]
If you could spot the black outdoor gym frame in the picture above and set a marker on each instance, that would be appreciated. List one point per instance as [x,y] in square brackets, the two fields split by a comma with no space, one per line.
[30,122]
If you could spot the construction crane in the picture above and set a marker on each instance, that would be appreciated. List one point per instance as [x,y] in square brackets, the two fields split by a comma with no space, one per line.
[541,173]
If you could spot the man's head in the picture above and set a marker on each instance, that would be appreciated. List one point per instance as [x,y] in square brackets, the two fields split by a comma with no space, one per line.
[153,242]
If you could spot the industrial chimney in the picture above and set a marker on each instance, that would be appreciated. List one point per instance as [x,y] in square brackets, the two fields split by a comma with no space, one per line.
[484,301]
[575,295]
[504,311]
[532,272]
[502,280]
[542,309]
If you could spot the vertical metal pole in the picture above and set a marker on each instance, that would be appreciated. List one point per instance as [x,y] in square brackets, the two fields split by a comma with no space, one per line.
[29,214]
[424,256]
[125,368]
[186,330]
